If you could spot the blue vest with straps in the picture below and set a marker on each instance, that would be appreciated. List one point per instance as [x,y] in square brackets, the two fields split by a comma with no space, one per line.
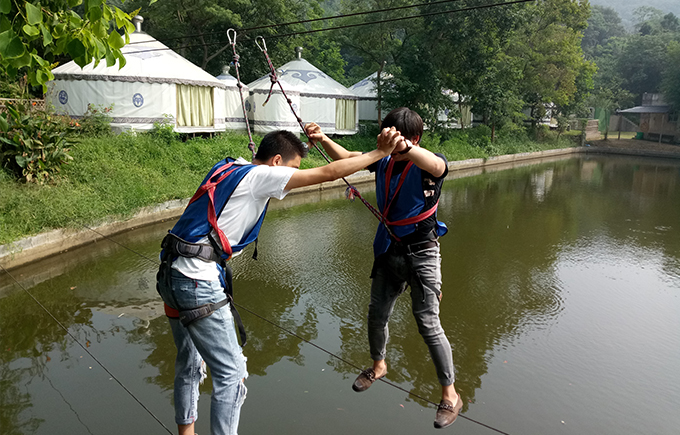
[193,225]
[408,204]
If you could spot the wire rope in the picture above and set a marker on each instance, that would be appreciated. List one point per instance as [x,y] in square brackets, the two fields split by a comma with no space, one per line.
[288,331]
[347,26]
[311,20]
[61,325]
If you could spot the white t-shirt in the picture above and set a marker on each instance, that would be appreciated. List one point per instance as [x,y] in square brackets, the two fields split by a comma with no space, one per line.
[240,214]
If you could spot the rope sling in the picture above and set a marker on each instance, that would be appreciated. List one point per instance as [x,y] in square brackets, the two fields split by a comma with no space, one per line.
[231,35]
[351,190]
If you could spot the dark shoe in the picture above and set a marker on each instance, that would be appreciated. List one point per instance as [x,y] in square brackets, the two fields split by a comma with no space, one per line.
[447,413]
[365,380]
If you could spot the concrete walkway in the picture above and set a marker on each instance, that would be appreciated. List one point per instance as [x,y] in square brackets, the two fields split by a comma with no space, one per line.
[54,242]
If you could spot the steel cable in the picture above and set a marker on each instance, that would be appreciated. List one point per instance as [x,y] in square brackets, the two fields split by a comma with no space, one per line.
[87,350]
[339,358]
[347,26]
[311,20]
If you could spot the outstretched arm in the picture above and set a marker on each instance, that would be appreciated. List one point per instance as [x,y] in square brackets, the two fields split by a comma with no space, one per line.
[335,151]
[424,159]
[387,140]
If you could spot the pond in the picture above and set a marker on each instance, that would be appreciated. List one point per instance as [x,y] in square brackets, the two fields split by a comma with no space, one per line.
[561,302]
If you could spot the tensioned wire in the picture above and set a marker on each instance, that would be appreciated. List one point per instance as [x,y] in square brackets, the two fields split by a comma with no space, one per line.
[311,20]
[87,351]
[347,26]
[236,304]
[288,331]
[239,306]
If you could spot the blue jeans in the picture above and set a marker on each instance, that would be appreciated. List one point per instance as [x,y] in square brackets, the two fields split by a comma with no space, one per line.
[421,270]
[213,340]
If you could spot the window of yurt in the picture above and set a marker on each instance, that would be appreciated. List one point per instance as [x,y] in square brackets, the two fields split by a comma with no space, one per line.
[194,106]
[345,114]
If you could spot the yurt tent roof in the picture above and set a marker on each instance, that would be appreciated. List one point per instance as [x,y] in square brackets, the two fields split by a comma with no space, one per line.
[366,87]
[228,79]
[148,61]
[300,76]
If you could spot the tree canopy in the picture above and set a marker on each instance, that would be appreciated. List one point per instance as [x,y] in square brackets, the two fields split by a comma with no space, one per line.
[35,36]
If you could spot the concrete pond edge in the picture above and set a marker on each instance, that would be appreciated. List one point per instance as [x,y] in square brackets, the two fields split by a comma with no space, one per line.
[30,249]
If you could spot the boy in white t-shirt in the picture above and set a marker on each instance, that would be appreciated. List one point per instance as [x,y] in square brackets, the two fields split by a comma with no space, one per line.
[195,282]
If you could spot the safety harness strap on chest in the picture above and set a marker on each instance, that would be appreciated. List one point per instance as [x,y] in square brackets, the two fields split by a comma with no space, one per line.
[174,246]
[388,202]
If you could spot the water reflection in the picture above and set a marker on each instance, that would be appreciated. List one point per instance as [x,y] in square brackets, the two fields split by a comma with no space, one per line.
[514,235]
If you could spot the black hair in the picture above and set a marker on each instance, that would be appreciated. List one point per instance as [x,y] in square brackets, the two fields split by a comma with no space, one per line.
[406,121]
[281,142]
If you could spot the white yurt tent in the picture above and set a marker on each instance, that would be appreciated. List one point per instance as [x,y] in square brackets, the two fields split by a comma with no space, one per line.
[156,85]
[315,96]
[368,99]
[368,103]
[234,119]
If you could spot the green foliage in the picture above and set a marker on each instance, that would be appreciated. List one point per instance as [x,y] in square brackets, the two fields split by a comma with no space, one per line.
[171,19]
[164,130]
[550,47]
[12,88]
[35,35]
[642,62]
[631,64]
[368,46]
[33,144]
[603,25]
[95,122]
[671,77]
[113,177]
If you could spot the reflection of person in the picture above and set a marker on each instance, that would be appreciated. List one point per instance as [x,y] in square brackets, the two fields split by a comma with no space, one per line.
[195,281]
[408,184]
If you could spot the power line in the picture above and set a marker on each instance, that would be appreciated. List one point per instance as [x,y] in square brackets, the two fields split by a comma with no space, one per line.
[86,350]
[311,20]
[347,26]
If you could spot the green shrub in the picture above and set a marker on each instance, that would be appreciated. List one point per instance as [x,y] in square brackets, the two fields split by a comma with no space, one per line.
[96,122]
[164,130]
[33,144]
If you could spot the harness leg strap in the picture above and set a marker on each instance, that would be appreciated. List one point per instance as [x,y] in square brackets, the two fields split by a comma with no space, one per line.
[187,317]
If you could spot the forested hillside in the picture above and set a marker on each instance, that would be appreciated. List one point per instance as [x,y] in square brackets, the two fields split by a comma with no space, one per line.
[626,8]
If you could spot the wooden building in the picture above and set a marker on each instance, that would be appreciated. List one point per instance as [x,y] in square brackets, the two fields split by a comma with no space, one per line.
[658,120]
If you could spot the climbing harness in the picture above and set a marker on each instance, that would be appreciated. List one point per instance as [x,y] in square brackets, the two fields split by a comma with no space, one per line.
[231,35]
[194,225]
[386,208]
[351,191]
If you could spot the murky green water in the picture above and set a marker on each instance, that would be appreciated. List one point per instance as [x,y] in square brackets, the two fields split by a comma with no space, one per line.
[561,302]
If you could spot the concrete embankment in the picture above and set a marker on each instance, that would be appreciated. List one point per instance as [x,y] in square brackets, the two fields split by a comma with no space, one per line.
[54,242]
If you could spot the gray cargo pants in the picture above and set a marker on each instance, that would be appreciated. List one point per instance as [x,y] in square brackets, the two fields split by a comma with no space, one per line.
[420,270]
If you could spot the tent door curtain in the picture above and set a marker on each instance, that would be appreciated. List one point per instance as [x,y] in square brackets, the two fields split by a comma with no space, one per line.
[194,106]
[345,114]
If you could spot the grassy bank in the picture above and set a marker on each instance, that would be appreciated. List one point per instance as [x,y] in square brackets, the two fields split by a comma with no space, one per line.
[115,176]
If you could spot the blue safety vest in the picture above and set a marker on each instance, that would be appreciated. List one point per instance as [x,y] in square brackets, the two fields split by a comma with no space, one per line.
[195,222]
[402,213]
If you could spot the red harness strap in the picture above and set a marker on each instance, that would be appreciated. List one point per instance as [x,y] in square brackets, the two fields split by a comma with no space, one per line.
[171,312]
[209,187]
[408,221]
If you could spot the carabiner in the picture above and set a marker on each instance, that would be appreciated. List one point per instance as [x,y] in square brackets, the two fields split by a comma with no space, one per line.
[232,40]
[263,44]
